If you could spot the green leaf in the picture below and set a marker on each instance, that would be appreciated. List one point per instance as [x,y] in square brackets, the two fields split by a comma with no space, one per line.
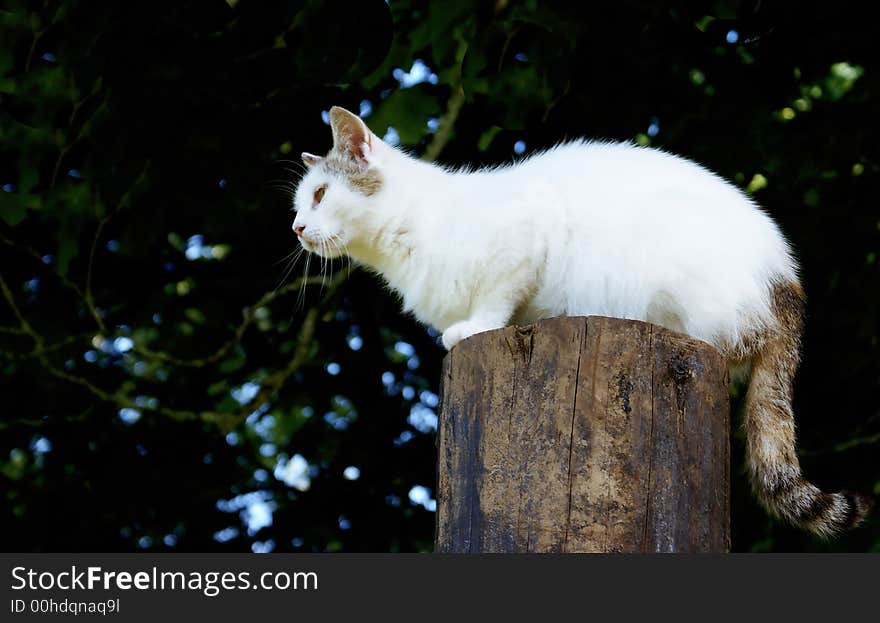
[29,176]
[68,247]
[231,365]
[218,388]
[407,110]
[12,208]
[487,137]
[195,315]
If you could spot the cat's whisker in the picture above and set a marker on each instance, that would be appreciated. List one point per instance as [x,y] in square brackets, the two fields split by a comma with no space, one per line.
[296,172]
[323,244]
[292,254]
[342,249]
[347,256]
[297,163]
[286,193]
[287,271]
[281,180]
[334,247]
[291,263]
[290,188]
[301,295]
[281,184]
[288,184]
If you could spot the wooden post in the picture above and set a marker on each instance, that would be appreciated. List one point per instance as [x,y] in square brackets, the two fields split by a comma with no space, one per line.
[583,435]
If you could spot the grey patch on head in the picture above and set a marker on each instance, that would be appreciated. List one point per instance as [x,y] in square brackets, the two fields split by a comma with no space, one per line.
[366,181]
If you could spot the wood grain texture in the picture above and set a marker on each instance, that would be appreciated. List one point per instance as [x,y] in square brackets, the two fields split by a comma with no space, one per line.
[583,435]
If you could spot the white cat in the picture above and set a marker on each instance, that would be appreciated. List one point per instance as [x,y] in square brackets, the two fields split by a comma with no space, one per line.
[583,229]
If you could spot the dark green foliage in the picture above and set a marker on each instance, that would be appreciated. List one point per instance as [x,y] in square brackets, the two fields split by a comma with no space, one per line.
[151,370]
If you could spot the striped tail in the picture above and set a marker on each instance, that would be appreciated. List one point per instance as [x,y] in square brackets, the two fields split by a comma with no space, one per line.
[774,468]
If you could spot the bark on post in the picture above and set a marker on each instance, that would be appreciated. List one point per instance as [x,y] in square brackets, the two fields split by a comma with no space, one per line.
[583,435]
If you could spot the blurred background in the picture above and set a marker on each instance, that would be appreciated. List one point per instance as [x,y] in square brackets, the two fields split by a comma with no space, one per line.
[169,381]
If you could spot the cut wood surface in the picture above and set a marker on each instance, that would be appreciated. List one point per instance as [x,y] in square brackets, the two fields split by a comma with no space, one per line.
[583,435]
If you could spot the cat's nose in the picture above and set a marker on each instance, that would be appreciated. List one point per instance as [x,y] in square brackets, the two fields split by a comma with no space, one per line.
[299,229]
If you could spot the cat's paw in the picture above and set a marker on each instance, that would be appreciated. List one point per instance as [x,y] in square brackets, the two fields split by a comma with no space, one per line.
[459,331]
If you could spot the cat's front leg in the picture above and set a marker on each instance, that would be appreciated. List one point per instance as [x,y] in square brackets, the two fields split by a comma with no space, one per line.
[477,323]
[494,307]
[464,329]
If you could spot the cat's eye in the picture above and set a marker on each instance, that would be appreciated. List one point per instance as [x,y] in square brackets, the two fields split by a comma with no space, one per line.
[319,194]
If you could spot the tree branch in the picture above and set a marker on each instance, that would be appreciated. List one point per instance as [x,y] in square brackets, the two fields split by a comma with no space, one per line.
[39,258]
[248,315]
[453,108]
[26,328]
[225,421]
[274,382]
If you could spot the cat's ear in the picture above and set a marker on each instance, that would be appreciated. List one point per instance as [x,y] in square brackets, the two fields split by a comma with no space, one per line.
[310,160]
[351,136]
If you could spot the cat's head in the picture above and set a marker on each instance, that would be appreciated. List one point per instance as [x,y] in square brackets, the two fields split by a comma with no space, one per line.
[337,197]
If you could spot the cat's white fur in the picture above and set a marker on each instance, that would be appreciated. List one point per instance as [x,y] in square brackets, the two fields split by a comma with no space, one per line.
[586,228]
